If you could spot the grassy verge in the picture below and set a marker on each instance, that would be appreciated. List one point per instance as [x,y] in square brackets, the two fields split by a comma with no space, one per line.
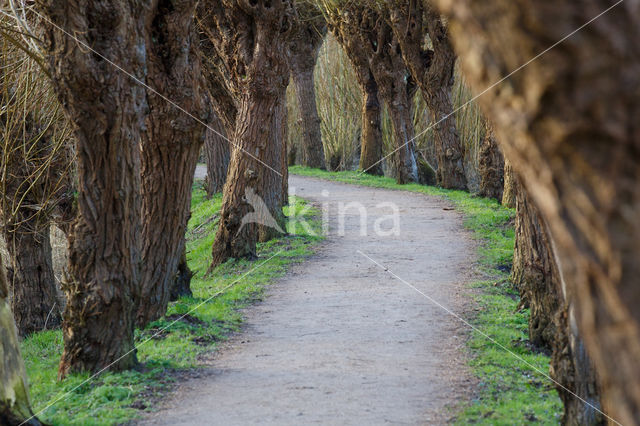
[114,398]
[509,391]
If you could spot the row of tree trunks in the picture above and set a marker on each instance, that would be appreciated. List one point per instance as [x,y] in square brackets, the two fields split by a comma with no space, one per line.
[537,277]
[307,36]
[491,166]
[358,26]
[217,152]
[257,73]
[108,112]
[170,148]
[15,408]
[568,122]
[433,71]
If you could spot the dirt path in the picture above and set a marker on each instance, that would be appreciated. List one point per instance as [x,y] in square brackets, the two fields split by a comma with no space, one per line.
[340,341]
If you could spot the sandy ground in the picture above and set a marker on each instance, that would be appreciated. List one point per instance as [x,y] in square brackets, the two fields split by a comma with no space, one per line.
[339,341]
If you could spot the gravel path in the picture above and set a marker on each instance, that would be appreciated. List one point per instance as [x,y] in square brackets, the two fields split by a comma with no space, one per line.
[339,341]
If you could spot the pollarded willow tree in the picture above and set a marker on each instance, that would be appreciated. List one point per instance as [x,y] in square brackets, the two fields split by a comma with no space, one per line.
[568,122]
[250,40]
[490,166]
[417,25]
[308,32]
[108,111]
[170,147]
[358,25]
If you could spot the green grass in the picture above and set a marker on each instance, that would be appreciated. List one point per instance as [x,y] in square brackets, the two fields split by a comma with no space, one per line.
[509,391]
[114,398]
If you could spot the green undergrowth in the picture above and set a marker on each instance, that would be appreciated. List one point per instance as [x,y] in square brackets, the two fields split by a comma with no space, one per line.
[509,391]
[168,349]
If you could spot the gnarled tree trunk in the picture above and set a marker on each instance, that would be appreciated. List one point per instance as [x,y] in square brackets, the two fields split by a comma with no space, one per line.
[108,110]
[568,121]
[432,70]
[216,153]
[307,35]
[30,275]
[15,408]
[491,166]
[169,149]
[250,39]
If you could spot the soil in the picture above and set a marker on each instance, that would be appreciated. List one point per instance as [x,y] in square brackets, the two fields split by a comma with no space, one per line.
[339,340]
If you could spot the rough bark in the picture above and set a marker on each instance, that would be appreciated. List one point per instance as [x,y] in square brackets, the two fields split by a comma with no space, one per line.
[307,36]
[433,70]
[360,27]
[568,121]
[30,276]
[216,153]
[251,40]
[15,408]
[170,147]
[491,166]
[510,185]
[108,111]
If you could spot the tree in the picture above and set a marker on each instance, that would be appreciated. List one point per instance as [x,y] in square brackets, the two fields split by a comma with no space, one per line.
[510,185]
[413,22]
[250,41]
[491,166]
[15,408]
[371,121]
[307,36]
[108,111]
[568,121]
[170,147]
[363,28]
[216,154]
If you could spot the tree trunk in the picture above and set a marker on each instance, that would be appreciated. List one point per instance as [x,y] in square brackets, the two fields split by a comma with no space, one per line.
[405,165]
[371,133]
[510,185]
[308,32]
[216,152]
[569,123]
[491,167]
[251,39]
[433,71]
[15,408]
[30,276]
[312,148]
[108,111]
[169,149]
[250,189]
[181,286]
[371,137]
